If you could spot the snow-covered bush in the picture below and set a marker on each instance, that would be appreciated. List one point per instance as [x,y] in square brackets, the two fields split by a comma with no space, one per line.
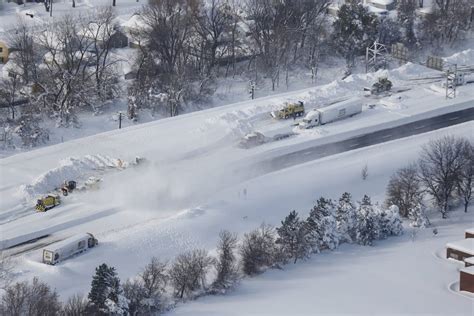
[258,250]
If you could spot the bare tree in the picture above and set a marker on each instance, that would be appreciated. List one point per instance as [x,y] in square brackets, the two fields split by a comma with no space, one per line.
[404,189]
[449,20]
[188,272]
[26,53]
[466,176]
[440,165]
[6,271]
[75,306]
[258,250]
[36,299]
[226,264]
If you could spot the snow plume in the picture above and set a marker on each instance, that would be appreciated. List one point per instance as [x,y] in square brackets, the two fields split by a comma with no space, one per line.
[69,169]
[466,57]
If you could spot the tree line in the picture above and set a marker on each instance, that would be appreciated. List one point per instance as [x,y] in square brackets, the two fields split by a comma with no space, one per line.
[194,273]
[183,47]
[443,174]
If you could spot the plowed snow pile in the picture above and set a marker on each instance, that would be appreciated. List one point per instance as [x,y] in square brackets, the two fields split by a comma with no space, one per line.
[466,57]
[69,169]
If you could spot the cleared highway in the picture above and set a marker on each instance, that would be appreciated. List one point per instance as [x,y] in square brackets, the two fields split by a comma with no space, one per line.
[373,138]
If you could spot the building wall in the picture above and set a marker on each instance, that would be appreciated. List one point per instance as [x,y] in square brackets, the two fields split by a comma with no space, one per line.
[466,282]
[456,254]
[468,235]
[3,53]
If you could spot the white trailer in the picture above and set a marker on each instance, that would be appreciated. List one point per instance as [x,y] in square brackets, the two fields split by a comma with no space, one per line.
[332,113]
[68,247]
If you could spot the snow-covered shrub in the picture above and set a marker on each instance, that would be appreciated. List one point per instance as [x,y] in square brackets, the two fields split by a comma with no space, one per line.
[258,250]
[294,238]
[322,223]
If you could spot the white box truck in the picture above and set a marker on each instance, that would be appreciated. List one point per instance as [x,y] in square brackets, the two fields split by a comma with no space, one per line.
[68,247]
[332,113]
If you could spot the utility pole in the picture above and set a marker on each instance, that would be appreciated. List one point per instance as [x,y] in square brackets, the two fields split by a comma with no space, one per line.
[120,119]
[252,89]
[451,81]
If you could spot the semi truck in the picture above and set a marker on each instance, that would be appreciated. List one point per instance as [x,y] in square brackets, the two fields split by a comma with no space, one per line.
[332,113]
[68,247]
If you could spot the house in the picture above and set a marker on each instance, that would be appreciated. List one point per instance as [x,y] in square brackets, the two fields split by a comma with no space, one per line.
[3,52]
[466,279]
[460,250]
[383,4]
[132,28]
[115,37]
[469,233]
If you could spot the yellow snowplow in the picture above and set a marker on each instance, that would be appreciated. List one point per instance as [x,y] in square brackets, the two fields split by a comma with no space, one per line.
[289,110]
[48,202]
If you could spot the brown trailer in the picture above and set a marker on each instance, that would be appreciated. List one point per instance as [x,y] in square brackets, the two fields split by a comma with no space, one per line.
[466,279]
[469,233]
[460,250]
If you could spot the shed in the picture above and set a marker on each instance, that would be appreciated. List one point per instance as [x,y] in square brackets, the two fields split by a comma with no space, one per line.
[460,250]
[466,279]
[469,262]
[469,233]
[3,52]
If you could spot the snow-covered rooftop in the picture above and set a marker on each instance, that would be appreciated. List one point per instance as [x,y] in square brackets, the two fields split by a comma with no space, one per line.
[470,230]
[465,245]
[469,260]
[468,270]
[382,2]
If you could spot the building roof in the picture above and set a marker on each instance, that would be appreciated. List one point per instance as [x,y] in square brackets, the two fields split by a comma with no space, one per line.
[469,260]
[465,245]
[468,270]
[382,2]
[470,230]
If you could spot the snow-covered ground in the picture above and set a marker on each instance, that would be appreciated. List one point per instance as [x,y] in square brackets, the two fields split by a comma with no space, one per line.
[400,276]
[191,186]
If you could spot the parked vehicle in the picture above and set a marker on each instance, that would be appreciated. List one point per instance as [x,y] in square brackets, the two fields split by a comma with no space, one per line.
[68,247]
[332,113]
[47,202]
[289,110]
[68,187]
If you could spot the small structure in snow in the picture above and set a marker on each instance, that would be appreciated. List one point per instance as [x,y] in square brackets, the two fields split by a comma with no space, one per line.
[68,247]
[469,262]
[466,279]
[469,233]
[460,250]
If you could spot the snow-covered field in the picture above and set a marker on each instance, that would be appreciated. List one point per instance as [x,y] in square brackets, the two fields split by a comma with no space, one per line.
[191,185]
[400,276]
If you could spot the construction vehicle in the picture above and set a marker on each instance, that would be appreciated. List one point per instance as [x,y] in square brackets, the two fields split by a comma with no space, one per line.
[382,85]
[47,203]
[289,110]
[68,187]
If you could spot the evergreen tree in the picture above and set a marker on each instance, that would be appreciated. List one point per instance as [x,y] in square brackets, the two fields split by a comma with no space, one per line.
[396,226]
[346,218]
[384,223]
[106,295]
[366,223]
[323,221]
[406,16]
[418,216]
[293,237]
[354,29]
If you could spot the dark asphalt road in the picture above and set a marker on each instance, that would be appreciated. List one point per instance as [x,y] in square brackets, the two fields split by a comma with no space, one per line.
[381,136]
